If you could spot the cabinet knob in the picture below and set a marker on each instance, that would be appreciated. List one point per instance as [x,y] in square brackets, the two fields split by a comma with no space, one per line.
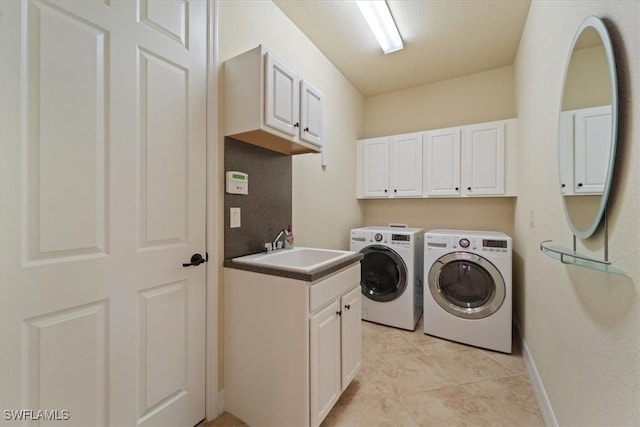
[564,185]
[580,184]
[297,125]
[347,306]
[395,190]
[385,190]
[339,313]
[306,129]
[457,189]
[469,188]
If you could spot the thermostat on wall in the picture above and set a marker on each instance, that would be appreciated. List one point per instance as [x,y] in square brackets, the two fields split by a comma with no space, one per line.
[237,182]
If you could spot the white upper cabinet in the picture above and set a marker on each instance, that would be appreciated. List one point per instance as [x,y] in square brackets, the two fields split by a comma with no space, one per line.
[376,167]
[406,165]
[265,101]
[463,161]
[483,164]
[584,150]
[441,162]
[281,96]
[311,120]
[392,166]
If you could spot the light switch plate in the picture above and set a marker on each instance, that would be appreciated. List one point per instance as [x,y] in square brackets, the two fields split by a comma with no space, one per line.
[234,218]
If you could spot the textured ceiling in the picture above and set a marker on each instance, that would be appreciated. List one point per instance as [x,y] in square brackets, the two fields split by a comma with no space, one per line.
[443,39]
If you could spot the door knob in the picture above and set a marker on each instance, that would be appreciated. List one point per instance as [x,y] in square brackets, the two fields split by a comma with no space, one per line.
[196,259]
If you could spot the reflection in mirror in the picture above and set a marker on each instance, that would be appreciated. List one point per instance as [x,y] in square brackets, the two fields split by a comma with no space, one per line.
[587,128]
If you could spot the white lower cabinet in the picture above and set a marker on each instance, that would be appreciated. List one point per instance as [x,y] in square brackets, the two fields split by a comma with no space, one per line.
[291,346]
[336,343]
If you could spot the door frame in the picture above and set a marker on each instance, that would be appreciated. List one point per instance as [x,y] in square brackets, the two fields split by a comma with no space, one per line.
[214,404]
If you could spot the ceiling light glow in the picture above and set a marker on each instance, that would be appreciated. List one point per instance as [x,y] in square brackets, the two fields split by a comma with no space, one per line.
[378,16]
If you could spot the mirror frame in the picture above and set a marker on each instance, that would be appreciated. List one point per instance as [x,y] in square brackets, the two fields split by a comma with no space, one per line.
[597,24]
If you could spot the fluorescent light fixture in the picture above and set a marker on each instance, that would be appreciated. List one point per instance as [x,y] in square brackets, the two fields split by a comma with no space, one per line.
[378,16]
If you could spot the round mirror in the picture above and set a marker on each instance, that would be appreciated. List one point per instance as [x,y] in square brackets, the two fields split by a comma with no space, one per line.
[587,127]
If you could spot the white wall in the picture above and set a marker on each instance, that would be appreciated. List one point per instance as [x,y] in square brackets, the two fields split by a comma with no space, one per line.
[475,98]
[324,206]
[581,326]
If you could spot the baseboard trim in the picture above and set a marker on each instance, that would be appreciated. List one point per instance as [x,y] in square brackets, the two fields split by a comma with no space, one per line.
[220,403]
[536,382]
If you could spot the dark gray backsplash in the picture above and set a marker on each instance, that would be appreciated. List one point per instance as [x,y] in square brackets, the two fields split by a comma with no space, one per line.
[267,208]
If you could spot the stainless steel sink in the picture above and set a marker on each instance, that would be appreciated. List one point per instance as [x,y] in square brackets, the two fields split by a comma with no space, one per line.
[299,259]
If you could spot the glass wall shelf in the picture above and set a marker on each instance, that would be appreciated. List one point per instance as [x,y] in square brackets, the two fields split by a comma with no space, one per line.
[569,256]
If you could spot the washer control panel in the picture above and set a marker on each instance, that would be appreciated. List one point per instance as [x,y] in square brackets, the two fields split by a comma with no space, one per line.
[495,245]
[391,237]
[472,243]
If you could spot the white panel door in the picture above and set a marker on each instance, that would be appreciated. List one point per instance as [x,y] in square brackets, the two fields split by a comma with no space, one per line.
[325,384]
[351,336]
[103,198]
[592,148]
[376,167]
[282,96]
[483,159]
[406,165]
[441,166]
[311,120]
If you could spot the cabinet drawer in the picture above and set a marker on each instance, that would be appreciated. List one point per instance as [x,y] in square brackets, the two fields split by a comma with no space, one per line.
[333,286]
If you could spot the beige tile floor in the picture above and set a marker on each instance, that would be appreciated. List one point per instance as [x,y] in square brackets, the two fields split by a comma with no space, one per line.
[411,379]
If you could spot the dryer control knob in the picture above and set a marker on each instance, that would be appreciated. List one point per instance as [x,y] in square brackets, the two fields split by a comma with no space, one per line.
[378,237]
[464,243]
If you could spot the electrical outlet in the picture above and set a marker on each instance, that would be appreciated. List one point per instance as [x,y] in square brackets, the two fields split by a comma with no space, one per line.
[234,218]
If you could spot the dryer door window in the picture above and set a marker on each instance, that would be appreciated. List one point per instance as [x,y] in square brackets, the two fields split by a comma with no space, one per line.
[383,274]
[466,285]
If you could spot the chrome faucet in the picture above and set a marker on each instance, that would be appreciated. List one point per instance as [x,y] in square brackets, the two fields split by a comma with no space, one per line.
[280,234]
[277,243]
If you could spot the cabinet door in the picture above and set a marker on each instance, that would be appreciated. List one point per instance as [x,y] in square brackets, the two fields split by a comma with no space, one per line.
[310,114]
[376,167]
[483,159]
[282,96]
[441,166]
[565,152]
[406,165]
[325,355]
[351,335]
[592,146]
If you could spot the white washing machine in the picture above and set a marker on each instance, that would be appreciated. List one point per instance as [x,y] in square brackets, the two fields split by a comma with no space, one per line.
[469,292]
[391,274]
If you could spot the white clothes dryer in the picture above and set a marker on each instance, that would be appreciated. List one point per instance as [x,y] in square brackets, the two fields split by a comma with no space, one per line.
[391,274]
[469,289]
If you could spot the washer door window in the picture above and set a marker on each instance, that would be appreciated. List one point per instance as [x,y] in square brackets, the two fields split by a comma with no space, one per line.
[466,285]
[383,274]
